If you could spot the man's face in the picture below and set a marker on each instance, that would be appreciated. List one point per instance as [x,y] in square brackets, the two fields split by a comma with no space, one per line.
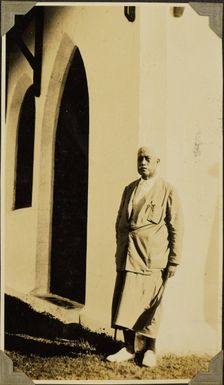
[147,162]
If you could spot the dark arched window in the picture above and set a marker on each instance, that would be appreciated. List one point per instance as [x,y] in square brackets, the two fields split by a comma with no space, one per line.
[25,151]
[70,199]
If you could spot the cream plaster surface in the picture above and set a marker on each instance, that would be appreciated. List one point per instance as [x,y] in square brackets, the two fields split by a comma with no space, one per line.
[19,225]
[153,79]
[112,84]
[192,307]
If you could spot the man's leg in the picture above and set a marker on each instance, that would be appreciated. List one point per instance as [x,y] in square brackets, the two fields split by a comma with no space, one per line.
[126,353]
[149,358]
[139,343]
[129,340]
[151,344]
[143,343]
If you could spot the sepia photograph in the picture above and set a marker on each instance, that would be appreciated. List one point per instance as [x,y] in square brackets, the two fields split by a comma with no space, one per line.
[111,192]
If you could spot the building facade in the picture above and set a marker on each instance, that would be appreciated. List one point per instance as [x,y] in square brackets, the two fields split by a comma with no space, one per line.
[108,83]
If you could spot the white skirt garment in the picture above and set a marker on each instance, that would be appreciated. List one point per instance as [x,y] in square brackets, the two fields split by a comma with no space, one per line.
[133,296]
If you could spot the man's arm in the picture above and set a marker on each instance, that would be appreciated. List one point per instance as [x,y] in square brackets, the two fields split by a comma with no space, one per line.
[120,211]
[174,220]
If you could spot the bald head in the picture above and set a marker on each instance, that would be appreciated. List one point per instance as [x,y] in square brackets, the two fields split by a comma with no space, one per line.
[148,149]
[147,162]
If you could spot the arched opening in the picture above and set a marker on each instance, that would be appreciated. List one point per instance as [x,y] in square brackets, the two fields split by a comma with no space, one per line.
[70,194]
[25,151]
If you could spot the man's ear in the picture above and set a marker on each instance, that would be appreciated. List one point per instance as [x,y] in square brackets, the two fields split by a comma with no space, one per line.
[158,160]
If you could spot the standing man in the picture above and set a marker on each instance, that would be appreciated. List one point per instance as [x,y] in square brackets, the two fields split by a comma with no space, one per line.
[149,230]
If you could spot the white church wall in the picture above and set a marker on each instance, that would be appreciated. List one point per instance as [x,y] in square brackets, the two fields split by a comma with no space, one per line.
[19,226]
[111,63]
[192,306]
[152,85]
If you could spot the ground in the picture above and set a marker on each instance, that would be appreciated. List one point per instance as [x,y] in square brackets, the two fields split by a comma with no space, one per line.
[84,359]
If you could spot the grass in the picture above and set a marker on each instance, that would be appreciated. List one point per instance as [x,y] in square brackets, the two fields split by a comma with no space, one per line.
[84,359]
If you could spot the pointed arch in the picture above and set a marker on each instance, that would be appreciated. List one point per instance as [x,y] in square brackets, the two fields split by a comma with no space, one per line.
[62,64]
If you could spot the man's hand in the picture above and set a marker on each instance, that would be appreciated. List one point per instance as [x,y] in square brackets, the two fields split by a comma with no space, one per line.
[170,270]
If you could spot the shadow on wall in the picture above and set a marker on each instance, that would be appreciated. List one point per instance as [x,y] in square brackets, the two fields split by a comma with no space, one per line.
[211,282]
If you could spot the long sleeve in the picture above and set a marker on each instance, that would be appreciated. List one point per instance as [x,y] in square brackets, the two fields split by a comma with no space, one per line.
[174,221]
[120,211]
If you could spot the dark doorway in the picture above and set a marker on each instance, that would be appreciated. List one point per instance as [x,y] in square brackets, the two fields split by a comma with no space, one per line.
[25,152]
[69,221]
